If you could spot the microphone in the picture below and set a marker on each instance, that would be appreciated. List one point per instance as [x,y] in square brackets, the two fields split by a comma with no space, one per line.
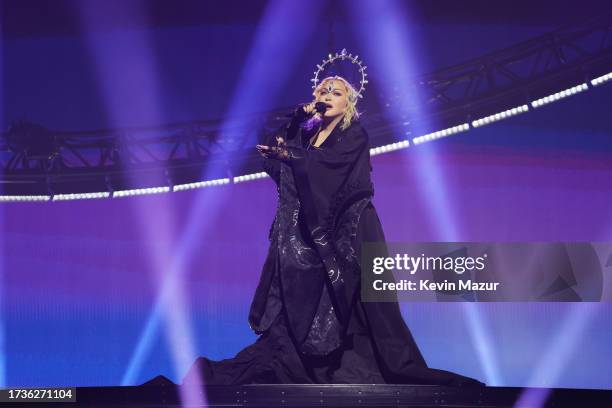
[320,107]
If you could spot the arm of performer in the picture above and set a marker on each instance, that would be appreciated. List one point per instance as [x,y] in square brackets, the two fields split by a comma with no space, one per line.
[271,163]
[341,153]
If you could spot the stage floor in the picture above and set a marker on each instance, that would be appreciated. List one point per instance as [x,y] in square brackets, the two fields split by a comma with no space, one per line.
[162,393]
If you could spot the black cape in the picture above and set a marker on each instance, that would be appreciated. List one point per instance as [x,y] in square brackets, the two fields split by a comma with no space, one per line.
[313,327]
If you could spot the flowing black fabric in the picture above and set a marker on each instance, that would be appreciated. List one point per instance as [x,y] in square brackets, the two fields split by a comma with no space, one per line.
[313,327]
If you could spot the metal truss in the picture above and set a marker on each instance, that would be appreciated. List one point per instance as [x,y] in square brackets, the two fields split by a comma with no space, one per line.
[525,71]
[32,147]
[35,160]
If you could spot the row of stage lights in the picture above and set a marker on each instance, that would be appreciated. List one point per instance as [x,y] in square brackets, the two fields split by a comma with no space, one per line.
[373,152]
[120,193]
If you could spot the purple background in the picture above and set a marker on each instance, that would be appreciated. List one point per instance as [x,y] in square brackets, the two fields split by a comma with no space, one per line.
[79,279]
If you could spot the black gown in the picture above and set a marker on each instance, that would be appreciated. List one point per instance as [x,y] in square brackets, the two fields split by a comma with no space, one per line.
[307,310]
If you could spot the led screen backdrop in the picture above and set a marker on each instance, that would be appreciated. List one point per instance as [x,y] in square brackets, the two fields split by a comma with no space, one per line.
[117,291]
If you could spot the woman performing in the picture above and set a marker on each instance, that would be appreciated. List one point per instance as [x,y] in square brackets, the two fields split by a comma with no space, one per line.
[313,326]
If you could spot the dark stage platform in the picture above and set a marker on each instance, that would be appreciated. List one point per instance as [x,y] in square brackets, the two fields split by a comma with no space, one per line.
[162,393]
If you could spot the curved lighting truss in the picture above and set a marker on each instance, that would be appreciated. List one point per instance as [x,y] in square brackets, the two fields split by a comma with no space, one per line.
[43,165]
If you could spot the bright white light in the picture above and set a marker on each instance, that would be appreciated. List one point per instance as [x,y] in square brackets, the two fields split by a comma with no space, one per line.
[499,116]
[200,184]
[10,198]
[559,95]
[441,133]
[80,196]
[390,147]
[600,80]
[249,177]
[141,191]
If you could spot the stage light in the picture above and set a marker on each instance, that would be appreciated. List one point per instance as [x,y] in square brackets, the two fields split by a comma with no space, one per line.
[249,177]
[558,355]
[499,116]
[140,191]
[397,65]
[600,80]
[559,95]
[441,133]
[390,147]
[80,196]
[200,184]
[481,337]
[9,198]
[259,82]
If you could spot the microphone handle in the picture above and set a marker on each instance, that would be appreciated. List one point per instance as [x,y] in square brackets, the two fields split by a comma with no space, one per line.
[320,107]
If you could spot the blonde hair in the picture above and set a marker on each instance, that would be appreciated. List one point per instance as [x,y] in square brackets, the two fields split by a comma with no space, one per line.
[351,113]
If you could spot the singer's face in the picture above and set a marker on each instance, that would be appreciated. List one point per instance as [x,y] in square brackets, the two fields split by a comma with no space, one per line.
[335,95]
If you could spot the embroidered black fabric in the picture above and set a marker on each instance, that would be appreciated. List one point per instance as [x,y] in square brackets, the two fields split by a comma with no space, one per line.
[312,326]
